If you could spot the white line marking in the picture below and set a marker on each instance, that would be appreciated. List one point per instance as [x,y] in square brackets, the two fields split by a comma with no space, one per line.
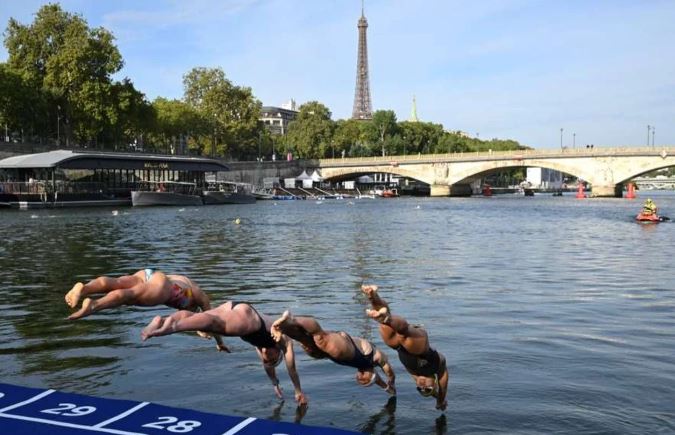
[240,426]
[26,402]
[64,424]
[122,415]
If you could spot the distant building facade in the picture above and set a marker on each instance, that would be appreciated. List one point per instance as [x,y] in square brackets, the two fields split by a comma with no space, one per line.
[545,178]
[276,119]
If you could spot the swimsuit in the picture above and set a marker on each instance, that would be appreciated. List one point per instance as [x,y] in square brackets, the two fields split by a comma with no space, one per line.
[260,338]
[427,364]
[359,360]
[181,298]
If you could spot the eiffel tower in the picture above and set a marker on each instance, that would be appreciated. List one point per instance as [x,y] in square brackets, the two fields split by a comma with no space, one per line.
[363,108]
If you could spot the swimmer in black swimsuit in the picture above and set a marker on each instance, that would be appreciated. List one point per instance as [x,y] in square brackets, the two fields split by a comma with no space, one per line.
[339,347]
[426,365]
[236,319]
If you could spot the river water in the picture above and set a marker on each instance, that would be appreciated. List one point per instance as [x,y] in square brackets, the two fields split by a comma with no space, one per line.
[556,315]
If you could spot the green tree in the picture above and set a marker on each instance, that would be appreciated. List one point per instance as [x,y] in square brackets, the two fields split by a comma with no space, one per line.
[131,115]
[348,136]
[21,106]
[177,123]
[384,125]
[69,64]
[310,134]
[232,111]
[420,137]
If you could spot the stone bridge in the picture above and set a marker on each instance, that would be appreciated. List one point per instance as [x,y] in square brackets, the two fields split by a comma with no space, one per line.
[606,169]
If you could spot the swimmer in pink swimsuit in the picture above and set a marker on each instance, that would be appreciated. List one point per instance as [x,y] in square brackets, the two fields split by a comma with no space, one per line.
[144,288]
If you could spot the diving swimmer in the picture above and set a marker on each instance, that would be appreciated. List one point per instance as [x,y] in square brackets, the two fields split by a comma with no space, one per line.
[236,319]
[339,347]
[145,288]
[426,365]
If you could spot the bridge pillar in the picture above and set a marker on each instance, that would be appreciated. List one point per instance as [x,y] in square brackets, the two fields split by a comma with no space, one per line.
[612,191]
[439,190]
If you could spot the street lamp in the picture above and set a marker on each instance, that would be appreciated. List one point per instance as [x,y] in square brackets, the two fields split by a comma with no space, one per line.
[649,127]
[574,140]
[653,130]
[58,125]
[561,134]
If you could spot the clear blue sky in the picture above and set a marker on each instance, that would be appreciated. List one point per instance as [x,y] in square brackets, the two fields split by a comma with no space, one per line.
[518,69]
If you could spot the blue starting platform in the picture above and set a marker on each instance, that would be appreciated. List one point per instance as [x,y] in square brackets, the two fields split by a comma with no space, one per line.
[31,411]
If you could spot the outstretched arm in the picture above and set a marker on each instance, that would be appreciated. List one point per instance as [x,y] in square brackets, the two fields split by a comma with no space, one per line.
[202,299]
[382,360]
[441,403]
[289,358]
[271,373]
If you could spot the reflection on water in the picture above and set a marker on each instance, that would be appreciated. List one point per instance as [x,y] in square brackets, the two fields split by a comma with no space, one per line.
[555,314]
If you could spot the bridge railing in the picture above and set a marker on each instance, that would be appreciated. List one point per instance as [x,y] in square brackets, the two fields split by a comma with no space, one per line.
[492,155]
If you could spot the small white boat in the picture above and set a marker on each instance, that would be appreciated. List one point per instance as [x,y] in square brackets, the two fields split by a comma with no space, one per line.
[228,192]
[166,193]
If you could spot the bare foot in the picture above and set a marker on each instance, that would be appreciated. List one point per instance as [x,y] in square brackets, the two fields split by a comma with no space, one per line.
[87,309]
[152,327]
[370,290]
[73,296]
[203,334]
[382,315]
[279,323]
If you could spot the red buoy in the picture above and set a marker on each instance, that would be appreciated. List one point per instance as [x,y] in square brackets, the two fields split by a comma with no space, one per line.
[580,191]
[631,191]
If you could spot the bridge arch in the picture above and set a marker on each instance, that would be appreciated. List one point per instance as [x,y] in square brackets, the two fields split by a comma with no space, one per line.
[606,169]
[475,171]
[350,172]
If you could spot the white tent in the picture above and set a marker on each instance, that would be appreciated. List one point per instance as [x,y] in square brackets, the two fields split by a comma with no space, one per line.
[306,179]
[316,177]
[303,176]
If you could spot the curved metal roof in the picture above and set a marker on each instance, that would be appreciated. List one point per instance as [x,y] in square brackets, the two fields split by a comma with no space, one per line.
[68,159]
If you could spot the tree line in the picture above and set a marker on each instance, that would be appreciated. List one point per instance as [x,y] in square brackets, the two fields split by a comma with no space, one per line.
[57,87]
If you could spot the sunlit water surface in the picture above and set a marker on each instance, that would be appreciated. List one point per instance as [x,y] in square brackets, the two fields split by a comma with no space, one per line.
[556,315]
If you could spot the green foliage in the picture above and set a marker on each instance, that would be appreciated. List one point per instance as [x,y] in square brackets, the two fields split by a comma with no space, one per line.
[232,111]
[381,128]
[310,134]
[70,66]
[421,137]
[176,122]
[21,106]
[349,135]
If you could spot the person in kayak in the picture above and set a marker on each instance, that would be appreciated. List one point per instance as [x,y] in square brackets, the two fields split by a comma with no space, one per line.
[649,208]
[426,365]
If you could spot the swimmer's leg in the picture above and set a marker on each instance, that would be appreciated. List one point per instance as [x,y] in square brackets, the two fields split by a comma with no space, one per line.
[102,284]
[152,326]
[302,329]
[85,310]
[73,296]
[183,321]
[114,298]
